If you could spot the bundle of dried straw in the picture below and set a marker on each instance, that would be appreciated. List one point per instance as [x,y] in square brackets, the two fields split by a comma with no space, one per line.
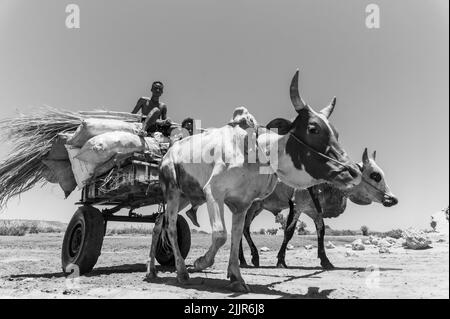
[31,137]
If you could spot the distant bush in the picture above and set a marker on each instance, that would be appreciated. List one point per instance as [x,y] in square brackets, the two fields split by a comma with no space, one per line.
[280,219]
[395,233]
[344,232]
[21,228]
[129,231]
[365,230]
[34,229]
[301,228]
[262,231]
[272,231]
[12,229]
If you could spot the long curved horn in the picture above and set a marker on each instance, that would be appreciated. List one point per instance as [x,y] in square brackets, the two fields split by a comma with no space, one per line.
[296,99]
[328,110]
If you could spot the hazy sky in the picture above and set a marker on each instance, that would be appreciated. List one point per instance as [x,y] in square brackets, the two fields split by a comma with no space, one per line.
[391,83]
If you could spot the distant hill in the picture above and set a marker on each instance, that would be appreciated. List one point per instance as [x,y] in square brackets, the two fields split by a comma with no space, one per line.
[19,227]
[29,222]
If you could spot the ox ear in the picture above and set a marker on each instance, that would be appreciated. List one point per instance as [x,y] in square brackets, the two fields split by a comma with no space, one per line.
[374,155]
[296,99]
[327,111]
[283,125]
[365,157]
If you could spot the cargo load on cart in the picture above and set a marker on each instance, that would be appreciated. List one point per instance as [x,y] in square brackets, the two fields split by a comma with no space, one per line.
[105,156]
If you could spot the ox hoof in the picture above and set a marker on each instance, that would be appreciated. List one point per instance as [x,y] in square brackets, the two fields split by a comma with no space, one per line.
[151,275]
[281,264]
[238,286]
[327,265]
[255,262]
[202,263]
[183,278]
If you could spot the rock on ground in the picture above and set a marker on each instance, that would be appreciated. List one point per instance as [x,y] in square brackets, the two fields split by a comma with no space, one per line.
[330,245]
[358,245]
[416,240]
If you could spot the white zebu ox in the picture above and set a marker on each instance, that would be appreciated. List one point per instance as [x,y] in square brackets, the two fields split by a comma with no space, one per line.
[318,202]
[214,167]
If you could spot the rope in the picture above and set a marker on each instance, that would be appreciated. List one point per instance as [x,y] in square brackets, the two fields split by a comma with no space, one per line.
[337,162]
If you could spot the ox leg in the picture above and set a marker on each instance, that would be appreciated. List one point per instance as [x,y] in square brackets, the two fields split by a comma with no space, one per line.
[253,249]
[234,273]
[320,228]
[242,261]
[151,268]
[252,212]
[288,234]
[157,229]
[172,214]
[219,232]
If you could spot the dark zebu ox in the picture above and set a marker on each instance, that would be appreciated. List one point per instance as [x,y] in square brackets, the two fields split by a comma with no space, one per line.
[215,168]
[318,202]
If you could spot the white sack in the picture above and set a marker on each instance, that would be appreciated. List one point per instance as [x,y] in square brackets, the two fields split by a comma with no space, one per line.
[90,128]
[63,173]
[82,170]
[101,148]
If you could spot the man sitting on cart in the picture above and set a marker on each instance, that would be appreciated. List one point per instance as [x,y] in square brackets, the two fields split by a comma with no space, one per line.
[154,110]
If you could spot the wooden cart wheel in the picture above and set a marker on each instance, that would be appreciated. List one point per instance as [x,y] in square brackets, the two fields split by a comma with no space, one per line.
[83,241]
[164,254]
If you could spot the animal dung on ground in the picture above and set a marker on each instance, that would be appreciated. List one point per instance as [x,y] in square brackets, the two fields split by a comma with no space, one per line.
[358,245]
[308,247]
[90,128]
[330,245]
[264,249]
[290,247]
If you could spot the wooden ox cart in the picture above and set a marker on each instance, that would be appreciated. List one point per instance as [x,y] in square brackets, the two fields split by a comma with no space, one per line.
[131,183]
